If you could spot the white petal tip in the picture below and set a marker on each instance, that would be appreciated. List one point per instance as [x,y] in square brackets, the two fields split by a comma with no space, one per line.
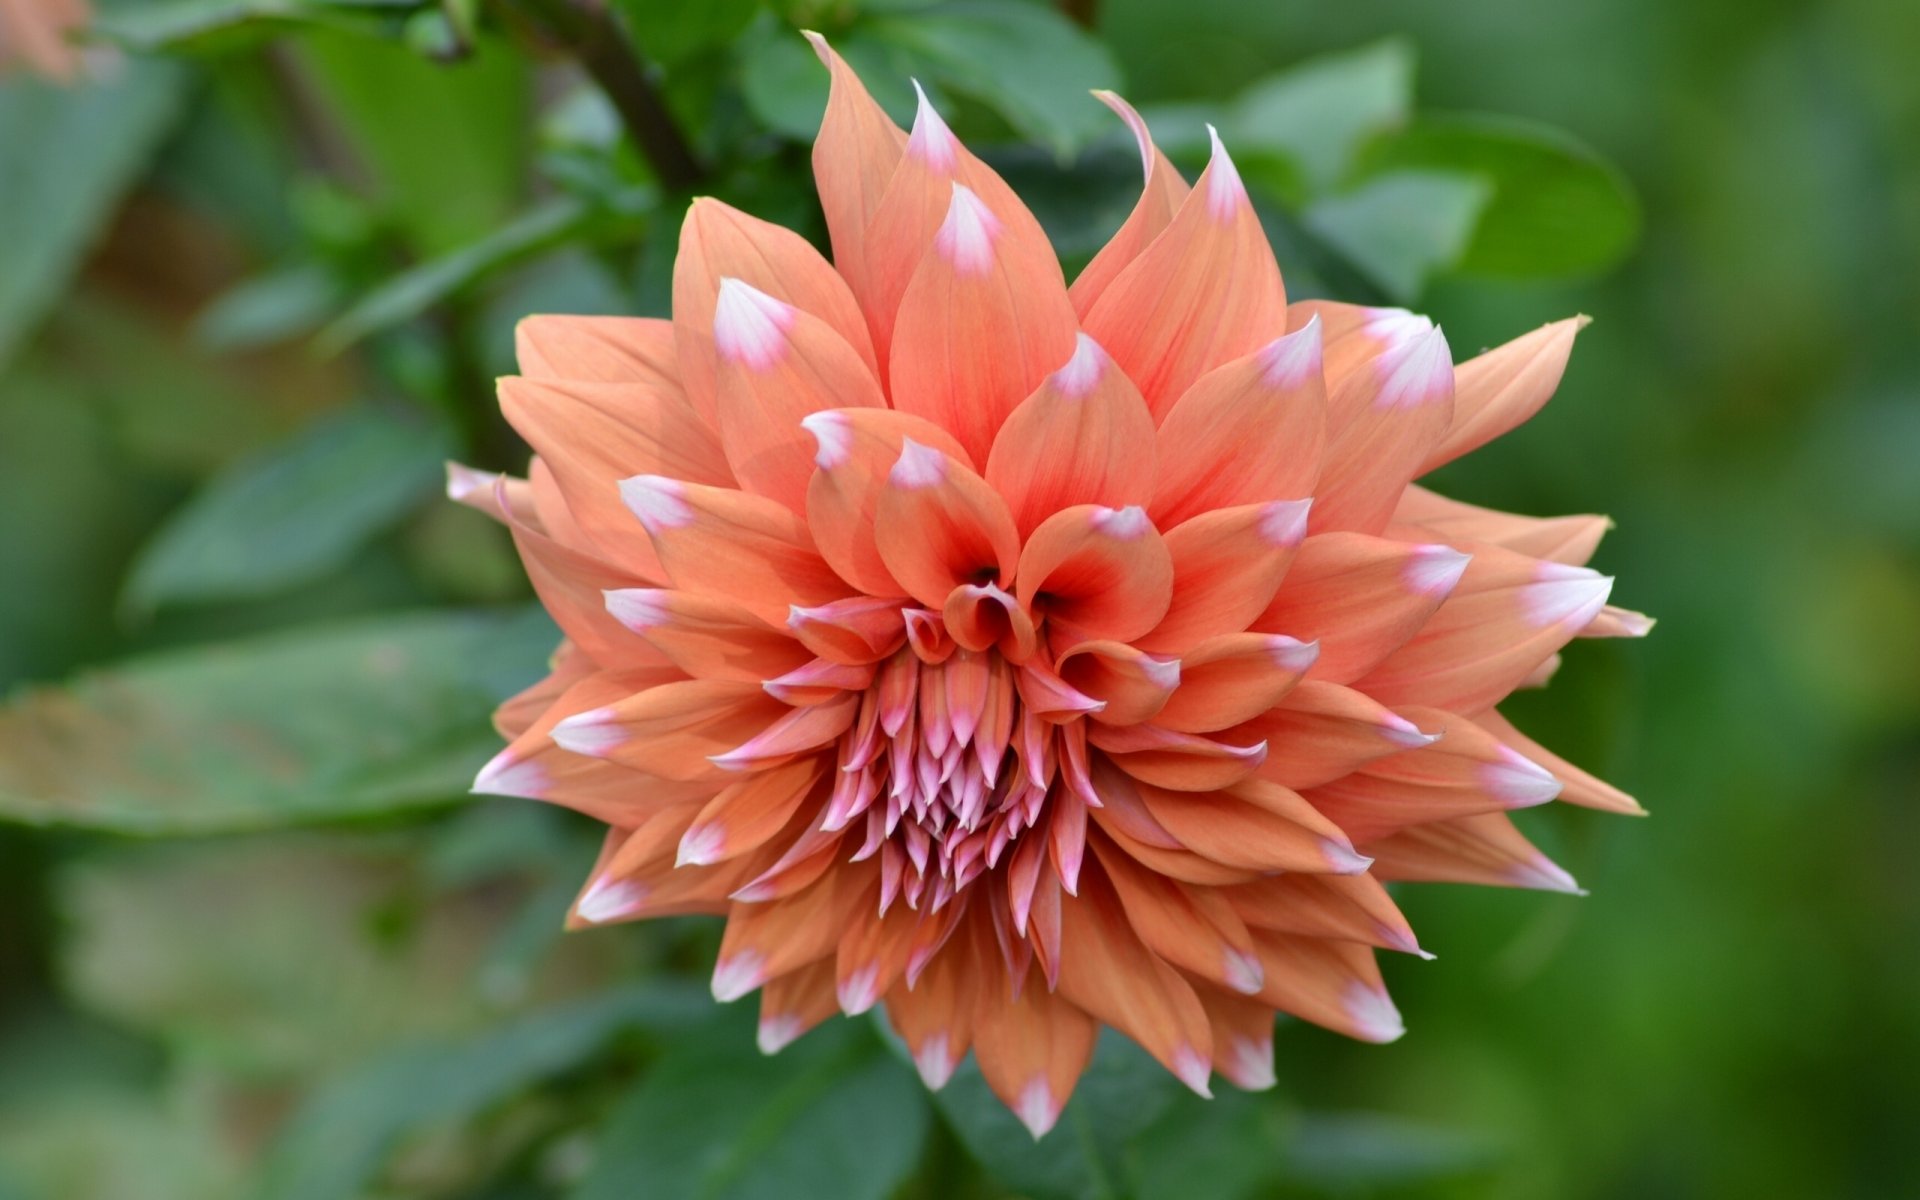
[1434,570]
[832,434]
[701,845]
[749,326]
[918,466]
[609,900]
[1292,360]
[1244,974]
[1569,596]
[859,991]
[935,1061]
[658,501]
[736,975]
[1249,1065]
[1417,371]
[778,1032]
[965,239]
[931,142]
[464,481]
[1517,782]
[507,774]
[1543,874]
[1292,654]
[1374,1017]
[1192,1068]
[1404,733]
[1226,194]
[1083,372]
[1037,1108]
[1121,524]
[1283,523]
[639,609]
[593,733]
[1344,859]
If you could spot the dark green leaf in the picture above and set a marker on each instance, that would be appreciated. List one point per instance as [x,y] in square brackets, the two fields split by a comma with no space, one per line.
[830,1116]
[1399,228]
[313,724]
[198,26]
[67,155]
[1122,1093]
[1319,113]
[1557,207]
[334,1145]
[291,513]
[413,292]
[1026,61]
[668,33]
[1223,1149]
[273,307]
[1343,1151]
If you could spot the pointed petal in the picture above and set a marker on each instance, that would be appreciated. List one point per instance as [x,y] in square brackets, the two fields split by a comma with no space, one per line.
[983,321]
[1247,432]
[630,350]
[1161,197]
[1242,1038]
[1582,788]
[1354,908]
[745,814]
[796,732]
[793,1003]
[853,158]
[1130,686]
[1484,849]
[1184,761]
[1194,929]
[764,941]
[856,450]
[708,637]
[938,526]
[1502,388]
[1361,598]
[1233,678]
[1254,825]
[1382,421]
[1032,1050]
[1335,984]
[1083,437]
[861,629]
[1570,540]
[1096,572]
[1204,293]
[671,730]
[777,365]
[1322,731]
[732,544]
[1227,567]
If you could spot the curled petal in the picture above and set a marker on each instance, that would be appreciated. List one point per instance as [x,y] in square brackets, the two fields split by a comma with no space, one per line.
[1096,572]
[938,526]
[1160,198]
[1227,567]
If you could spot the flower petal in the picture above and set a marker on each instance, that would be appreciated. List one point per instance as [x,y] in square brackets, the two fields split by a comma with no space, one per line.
[708,637]
[1335,984]
[1227,567]
[672,730]
[1194,929]
[1351,908]
[938,526]
[1096,572]
[1254,825]
[853,158]
[1581,788]
[1032,1049]
[634,350]
[1321,731]
[1484,849]
[857,449]
[1233,678]
[744,815]
[1129,685]
[1382,421]
[1503,387]
[1422,515]
[1360,597]
[1160,198]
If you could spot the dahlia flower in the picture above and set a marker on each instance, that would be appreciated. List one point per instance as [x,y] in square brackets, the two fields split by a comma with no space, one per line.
[1022,657]
[35,33]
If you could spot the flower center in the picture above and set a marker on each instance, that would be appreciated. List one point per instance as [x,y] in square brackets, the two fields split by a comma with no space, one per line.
[948,764]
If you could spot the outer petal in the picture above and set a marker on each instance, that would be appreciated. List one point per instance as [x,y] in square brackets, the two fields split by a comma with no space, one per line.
[1508,614]
[1032,1049]
[1353,908]
[718,242]
[1184,761]
[1322,731]
[1581,788]
[853,158]
[1227,567]
[1248,432]
[1130,686]
[1195,929]
[793,1003]
[1361,598]
[1484,849]
[708,637]
[982,322]
[1242,1038]
[1084,437]
[673,730]
[746,814]
[1335,984]
[1096,572]
[1161,197]
[599,350]
[1204,293]
[726,543]
[1384,419]
[1503,388]
[1422,515]
[778,364]
[1255,825]
[1233,678]
[571,586]
[938,526]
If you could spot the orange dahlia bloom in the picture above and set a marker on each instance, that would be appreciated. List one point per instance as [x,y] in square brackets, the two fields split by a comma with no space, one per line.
[1027,657]
[36,33]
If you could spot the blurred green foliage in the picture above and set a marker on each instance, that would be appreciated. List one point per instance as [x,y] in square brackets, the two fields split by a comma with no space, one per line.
[258,275]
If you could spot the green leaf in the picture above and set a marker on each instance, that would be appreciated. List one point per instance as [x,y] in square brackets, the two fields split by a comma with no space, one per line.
[1226,1148]
[206,26]
[1319,113]
[1026,61]
[668,33]
[450,162]
[1342,1152]
[1557,207]
[292,512]
[1402,227]
[313,724]
[412,292]
[1122,1092]
[269,308]
[67,156]
[333,1147]
[832,1115]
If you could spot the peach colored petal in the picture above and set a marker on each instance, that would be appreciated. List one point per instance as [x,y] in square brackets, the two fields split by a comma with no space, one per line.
[1504,387]
[1256,826]
[1485,849]
[1322,731]
[1424,516]
[744,815]
[674,729]
[856,450]
[938,526]
[1160,198]
[793,1003]
[1129,685]
[1032,1050]
[1227,567]
[1242,1038]
[1250,431]
[1097,573]
[853,159]
[1382,421]
[708,637]
[1360,597]
[1205,292]
[1581,788]
[1335,984]
[1233,678]
[1083,437]
[1193,928]
[1185,761]
[633,350]
[1348,908]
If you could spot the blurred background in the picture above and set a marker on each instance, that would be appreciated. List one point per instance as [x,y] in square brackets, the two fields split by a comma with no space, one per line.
[260,262]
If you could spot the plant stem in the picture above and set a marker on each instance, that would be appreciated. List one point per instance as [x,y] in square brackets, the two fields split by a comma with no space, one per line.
[594,36]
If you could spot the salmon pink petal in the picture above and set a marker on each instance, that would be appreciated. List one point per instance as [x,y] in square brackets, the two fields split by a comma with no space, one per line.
[743,816]
[861,629]
[1205,292]
[1355,334]
[1183,761]
[1383,420]
[1254,825]
[1361,598]
[793,1003]
[1227,567]
[1348,908]
[1032,1050]
[1424,516]
[1247,432]
[1485,849]
[938,526]
[778,364]
[764,941]
[719,242]
[708,637]
[1192,928]
[1083,437]
[1242,1038]
[982,322]
[629,350]
[1233,678]
[572,587]
[1322,731]
[1580,788]
[674,729]
[853,158]
[732,544]
[1160,199]
[1334,984]
[1128,685]
[856,449]
[1502,388]
[1097,573]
